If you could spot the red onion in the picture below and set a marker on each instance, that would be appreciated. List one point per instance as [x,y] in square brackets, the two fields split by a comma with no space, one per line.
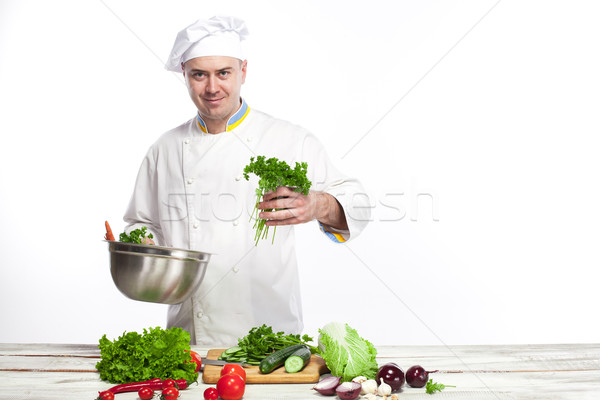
[417,377]
[348,390]
[326,386]
[391,374]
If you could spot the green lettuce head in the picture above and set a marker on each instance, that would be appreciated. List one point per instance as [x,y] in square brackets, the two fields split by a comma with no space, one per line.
[346,354]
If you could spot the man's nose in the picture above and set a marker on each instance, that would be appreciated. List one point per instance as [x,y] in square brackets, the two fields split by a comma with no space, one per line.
[212,85]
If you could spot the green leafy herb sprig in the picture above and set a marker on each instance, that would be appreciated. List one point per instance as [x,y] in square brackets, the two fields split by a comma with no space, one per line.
[274,173]
[262,341]
[135,236]
[432,387]
[157,353]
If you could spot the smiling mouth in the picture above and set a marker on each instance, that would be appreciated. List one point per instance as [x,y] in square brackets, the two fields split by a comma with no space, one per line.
[213,101]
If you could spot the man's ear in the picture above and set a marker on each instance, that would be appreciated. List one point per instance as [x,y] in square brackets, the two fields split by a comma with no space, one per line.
[243,67]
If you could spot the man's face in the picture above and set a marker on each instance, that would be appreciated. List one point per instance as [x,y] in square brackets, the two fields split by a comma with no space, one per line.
[214,84]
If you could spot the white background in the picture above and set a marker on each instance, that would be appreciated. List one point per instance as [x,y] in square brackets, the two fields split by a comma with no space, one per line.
[472,124]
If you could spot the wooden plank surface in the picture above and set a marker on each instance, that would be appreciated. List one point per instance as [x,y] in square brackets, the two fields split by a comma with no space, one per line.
[310,374]
[514,372]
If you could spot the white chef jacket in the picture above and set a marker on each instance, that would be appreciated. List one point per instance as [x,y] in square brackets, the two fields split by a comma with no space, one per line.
[190,193]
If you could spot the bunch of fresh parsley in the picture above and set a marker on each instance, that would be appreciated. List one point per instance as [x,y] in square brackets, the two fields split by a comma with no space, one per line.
[135,236]
[274,173]
[262,341]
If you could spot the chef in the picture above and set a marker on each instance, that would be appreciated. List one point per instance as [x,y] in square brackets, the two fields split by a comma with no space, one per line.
[190,193]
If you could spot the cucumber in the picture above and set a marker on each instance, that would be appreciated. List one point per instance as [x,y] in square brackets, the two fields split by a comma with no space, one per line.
[277,358]
[297,360]
[231,350]
[230,353]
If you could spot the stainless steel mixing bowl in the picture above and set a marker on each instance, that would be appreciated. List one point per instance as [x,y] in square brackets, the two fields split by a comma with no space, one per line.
[156,274]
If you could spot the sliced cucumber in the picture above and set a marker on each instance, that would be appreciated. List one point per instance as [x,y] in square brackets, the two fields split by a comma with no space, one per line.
[297,360]
[232,350]
[230,353]
[277,358]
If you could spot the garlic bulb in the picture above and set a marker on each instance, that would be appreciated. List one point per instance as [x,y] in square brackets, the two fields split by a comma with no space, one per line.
[359,379]
[384,389]
[369,386]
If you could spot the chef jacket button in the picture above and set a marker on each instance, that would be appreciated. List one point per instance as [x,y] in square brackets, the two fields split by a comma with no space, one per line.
[196,225]
[200,314]
[190,181]
[250,138]
[236,222]
[235,269]
[187,141]
[238,178]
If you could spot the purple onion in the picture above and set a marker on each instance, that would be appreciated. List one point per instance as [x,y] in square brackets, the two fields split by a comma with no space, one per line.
[417,377]
[348,390]
[326,386]
[391,374]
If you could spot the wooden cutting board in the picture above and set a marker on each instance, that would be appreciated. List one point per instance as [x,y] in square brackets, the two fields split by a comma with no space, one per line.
[310,374]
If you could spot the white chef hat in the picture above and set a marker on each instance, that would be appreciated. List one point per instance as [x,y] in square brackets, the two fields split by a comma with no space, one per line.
[217,36]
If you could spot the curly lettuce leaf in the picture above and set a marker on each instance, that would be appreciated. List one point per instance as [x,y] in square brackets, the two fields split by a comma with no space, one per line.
[346,354]
[156,353]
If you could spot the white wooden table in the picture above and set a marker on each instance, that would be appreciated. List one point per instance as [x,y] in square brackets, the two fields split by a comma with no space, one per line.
[568,371]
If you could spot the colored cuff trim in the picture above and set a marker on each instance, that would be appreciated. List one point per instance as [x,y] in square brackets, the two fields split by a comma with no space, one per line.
[336,237]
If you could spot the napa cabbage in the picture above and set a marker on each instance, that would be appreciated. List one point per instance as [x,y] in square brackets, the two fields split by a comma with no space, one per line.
[346,354]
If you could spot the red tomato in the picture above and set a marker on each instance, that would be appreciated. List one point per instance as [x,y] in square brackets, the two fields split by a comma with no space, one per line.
[211,394]
[106,395]
[170,393]
[231,387]
[146,393]
[197,359]
[234,369]
[168,383]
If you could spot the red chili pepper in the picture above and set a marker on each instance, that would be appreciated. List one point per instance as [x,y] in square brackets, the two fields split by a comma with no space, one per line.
[154,384]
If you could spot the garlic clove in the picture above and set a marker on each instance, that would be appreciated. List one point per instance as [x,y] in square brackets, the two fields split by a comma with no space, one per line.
[384,389]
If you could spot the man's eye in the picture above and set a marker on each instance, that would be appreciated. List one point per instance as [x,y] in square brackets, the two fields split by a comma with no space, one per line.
[224,73]
[198,74]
